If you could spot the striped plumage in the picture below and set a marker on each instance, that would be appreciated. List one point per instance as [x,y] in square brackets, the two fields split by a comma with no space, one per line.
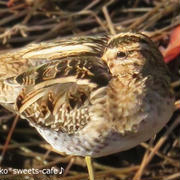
[90,95]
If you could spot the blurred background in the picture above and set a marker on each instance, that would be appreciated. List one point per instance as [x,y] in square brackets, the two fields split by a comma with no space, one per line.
[26,21]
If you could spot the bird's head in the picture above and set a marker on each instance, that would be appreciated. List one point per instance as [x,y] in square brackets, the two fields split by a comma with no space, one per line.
[132,53]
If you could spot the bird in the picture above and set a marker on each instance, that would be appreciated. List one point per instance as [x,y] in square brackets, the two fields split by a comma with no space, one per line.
[89,96]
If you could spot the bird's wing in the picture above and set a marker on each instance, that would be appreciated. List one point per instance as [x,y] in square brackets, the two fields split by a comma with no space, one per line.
[16,61]
[56,94]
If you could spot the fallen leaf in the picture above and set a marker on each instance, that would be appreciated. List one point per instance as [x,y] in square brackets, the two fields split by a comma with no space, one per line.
[173,49]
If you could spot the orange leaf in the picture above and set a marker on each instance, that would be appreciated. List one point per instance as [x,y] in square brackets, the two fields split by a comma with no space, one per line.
[173,49]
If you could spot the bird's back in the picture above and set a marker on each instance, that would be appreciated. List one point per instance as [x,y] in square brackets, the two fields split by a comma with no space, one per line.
[50,83]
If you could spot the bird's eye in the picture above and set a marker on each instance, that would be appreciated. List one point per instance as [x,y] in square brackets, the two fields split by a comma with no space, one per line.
[121,54]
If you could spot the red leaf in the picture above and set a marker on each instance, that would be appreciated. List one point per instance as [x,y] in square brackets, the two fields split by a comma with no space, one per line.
[10,3]
[173,49]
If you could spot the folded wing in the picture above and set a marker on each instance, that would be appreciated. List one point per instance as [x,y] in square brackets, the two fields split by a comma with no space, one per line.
[57,94]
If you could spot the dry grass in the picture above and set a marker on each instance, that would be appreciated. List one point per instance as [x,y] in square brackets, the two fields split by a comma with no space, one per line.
[24,21]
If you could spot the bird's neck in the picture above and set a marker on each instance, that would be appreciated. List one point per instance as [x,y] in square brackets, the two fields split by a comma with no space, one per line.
[125,96]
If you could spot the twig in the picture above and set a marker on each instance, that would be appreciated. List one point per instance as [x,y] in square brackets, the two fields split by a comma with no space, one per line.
[109,21]
[69,166]
[9,138]
[12,17]
[92,4]
[170,160]
[155,149]
[172,177]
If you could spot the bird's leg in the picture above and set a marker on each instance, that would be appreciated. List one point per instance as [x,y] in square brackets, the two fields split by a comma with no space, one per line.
[90,167]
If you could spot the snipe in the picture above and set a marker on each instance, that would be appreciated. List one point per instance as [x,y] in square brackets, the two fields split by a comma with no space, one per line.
[89,96]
